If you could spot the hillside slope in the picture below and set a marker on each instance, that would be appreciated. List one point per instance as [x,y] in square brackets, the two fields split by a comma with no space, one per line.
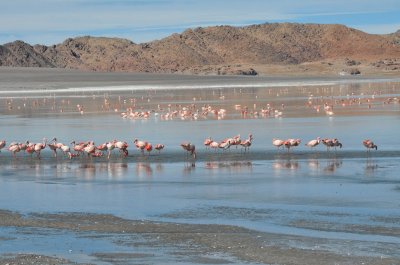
[211,49]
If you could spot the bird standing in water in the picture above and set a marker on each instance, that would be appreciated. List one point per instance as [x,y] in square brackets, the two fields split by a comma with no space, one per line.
[190,148]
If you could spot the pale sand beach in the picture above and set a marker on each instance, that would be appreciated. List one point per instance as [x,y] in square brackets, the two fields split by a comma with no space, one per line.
[262,206]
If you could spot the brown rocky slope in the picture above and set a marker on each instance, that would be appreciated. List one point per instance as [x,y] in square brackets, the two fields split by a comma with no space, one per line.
[219,49]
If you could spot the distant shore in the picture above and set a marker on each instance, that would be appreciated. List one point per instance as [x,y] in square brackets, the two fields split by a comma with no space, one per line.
[50,80]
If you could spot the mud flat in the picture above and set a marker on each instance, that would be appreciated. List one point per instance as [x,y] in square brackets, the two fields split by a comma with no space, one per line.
[191,243]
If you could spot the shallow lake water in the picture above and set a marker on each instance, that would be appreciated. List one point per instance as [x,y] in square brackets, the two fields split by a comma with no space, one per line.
[348,196]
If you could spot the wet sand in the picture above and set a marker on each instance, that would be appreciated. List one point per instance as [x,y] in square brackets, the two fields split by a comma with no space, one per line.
[193,241]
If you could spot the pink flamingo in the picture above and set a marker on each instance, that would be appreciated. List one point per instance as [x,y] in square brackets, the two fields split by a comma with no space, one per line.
[39,147]
[123,147]
[247,143]
[291,143]
[78,147]
[102,147]
[225,145]
[66,150]
[369,145]
[23,146]
[140,145]
[207,142]
[159,147]
[30,149]
[148,147]
[53,146]
[14,149]
[90,149]
[214,145]
[236,140]
[329,143]
[190,148]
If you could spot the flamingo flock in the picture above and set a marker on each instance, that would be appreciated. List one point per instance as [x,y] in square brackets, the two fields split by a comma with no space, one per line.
[226,143]
[90,149]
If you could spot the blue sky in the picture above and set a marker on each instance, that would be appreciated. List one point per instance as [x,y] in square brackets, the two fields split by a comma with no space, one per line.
[52,21]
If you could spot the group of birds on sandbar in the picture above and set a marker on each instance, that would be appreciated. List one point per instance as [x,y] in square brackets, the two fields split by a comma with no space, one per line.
[77,149]
[228,142]
[91,150]
[73,150]
[329,143]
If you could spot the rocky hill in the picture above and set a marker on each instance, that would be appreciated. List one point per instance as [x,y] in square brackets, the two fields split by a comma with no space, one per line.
[219,50]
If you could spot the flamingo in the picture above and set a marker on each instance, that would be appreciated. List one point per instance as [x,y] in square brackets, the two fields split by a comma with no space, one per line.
[225,145]
[123,147]
[328,143]
[159,147]
[148,147]
[90,148]
[313,143]
[236,140]
[30,149]
[190,148]
[2,144]
[24,146]
[102,147]
[78,147]
[110,147]
[207,142]
[336,143]
[53,146]
[247,143]
[369,145]
[291,143]
[277,143]
[140,145]
[14,149]
[39,146]
[66,150]
[331,143]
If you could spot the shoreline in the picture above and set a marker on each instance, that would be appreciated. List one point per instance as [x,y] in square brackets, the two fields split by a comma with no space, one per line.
[54,80]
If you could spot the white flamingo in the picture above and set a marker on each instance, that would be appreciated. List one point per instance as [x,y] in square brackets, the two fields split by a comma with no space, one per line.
[277,143]
[313,143]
